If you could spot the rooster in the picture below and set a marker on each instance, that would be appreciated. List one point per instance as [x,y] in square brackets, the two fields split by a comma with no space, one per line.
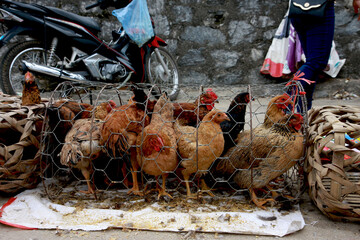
[121,128]
[200,149]
[82,145]
[31,92]
[156,146]
[264,155]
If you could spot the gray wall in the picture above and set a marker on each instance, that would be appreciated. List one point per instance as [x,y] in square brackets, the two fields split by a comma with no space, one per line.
[225,41]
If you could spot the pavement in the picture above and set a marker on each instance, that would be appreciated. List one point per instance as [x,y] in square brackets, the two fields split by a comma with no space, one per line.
[317,226]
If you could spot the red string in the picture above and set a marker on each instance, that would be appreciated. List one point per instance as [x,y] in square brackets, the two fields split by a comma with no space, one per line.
[298,76]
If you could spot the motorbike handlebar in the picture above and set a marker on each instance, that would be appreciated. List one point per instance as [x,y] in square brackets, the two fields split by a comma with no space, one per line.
[92,5]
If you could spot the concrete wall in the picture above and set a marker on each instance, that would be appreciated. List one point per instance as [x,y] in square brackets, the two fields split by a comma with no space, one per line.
[225,41]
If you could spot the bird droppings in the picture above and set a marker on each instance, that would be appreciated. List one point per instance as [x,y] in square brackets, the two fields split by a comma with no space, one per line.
[267,218]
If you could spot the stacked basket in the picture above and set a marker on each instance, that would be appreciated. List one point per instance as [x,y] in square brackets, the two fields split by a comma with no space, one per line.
[20,129]
[334,161]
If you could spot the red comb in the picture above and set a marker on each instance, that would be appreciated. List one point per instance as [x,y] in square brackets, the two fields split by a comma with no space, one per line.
[112,103]
[212,94]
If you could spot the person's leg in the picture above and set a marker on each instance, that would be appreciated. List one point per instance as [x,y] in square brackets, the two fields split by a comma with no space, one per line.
[316,40]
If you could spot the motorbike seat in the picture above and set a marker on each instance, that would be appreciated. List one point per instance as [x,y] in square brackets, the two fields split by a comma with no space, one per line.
[87,22]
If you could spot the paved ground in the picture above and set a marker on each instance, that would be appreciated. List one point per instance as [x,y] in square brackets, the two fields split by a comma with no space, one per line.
[317,225]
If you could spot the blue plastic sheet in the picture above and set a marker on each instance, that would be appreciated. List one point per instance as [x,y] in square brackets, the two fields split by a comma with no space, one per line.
[135,19]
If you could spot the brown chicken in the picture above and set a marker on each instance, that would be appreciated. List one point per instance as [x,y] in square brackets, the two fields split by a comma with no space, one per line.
[187,113]
[277,108]
[77,110]
[156,146]
[121,127]
[63,113]
[82,145]
[200,149]
[265,155]
[31,92]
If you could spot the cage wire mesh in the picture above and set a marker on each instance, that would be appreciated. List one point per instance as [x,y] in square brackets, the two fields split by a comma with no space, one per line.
[104,173]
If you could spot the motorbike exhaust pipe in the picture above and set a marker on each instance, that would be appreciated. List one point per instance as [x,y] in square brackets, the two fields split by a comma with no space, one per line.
[52,71]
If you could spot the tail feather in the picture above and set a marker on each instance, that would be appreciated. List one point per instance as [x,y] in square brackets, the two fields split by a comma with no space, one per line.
[70,154]
[226,165]
[118,143]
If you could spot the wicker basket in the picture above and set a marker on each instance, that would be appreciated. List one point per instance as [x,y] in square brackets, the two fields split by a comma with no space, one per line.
[20,129]
[333,161]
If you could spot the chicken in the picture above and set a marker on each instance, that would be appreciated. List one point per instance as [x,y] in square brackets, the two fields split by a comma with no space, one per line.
[236,113]
[121,128]
[62,115]
[124,123]
[231,128]
[265,155]
[156,146]
[31,92]
[82,145]
[78,110]
[189,114]
[200,149]
[277,108]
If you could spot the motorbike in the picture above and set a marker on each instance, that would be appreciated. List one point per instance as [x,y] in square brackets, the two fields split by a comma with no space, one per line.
[60,45]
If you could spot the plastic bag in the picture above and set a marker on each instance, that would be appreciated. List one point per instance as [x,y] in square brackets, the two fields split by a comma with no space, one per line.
[275,61]
[335,63]
[135,19]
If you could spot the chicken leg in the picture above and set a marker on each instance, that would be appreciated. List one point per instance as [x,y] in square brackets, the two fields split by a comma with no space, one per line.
[162,189]
[205,188]
[259,203]
[91,189]
[134,168]
[275,195]
[188,192]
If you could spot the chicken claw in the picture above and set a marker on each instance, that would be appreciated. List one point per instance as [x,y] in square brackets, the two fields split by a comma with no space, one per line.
[205,188]
[162,190]
[259,202]
[135,189]
[135,192]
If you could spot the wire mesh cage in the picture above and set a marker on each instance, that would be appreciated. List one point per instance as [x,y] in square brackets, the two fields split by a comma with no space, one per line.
[121,147]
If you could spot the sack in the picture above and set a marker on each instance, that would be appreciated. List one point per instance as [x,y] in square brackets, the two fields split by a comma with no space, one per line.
[308,8]
[135,20]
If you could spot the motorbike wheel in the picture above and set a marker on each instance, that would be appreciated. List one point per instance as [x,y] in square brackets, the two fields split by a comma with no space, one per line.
[156,73]
[12,76]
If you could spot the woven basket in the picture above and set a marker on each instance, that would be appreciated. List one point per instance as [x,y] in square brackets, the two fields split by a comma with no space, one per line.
[333,161]
[20,129]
